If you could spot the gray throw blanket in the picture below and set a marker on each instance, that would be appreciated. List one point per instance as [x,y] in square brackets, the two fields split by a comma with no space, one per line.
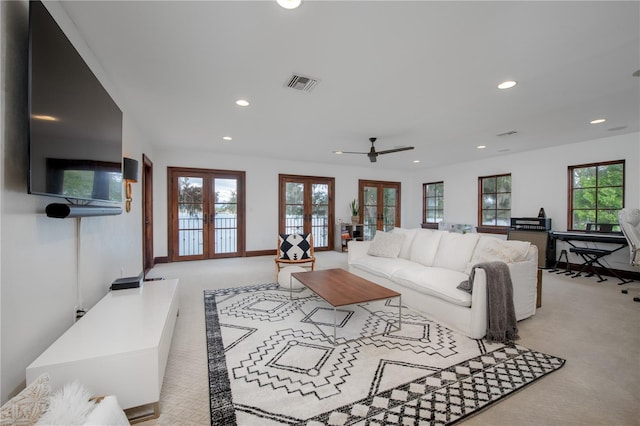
[501,321]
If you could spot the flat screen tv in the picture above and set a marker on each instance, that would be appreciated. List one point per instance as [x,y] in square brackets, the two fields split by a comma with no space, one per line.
[75,127]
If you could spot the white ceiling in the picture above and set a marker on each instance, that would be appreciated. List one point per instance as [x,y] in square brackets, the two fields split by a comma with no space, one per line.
[416,73]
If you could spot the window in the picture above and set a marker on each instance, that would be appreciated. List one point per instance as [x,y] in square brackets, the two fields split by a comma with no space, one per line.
[596,194]
[432,202]
[494,202]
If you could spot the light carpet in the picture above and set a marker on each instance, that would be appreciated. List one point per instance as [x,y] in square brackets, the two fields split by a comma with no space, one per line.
[271,362]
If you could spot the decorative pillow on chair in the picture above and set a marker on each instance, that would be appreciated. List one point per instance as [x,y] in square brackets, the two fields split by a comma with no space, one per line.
[295,246]
[29,405]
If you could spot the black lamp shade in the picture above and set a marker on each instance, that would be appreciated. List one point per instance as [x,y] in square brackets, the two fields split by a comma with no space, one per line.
[130,169]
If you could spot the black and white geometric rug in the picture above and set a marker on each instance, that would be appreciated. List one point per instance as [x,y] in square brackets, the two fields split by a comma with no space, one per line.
[270,365]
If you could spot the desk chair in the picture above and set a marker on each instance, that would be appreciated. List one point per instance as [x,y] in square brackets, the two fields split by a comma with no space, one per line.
[294,249]
[629,220]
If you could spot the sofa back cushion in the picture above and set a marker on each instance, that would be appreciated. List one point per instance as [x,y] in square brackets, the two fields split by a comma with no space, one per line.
[455,251]
[409,235]
[425,245]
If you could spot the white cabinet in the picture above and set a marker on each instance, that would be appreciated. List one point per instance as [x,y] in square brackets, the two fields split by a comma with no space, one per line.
[120,347]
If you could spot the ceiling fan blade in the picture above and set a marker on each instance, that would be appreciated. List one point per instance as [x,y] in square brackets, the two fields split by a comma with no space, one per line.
[353,152]
[389,151]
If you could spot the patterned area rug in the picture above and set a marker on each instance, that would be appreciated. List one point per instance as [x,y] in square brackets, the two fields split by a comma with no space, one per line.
[271,362]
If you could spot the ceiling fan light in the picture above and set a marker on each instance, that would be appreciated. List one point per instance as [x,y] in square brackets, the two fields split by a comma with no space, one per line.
[289,4]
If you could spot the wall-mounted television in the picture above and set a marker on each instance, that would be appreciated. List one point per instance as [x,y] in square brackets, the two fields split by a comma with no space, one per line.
[75,127]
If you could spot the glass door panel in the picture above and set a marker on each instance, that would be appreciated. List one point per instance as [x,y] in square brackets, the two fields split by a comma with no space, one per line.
[389,196]
[225,216]
[320,214]
[370,206]
[190,216]
[294,208]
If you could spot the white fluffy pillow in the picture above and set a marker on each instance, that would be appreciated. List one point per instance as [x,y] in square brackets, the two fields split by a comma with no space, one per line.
[386,244]
[69,405]
[107,412]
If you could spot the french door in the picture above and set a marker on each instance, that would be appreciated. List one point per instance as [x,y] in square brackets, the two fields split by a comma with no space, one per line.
[379,206]
[206,214]
[306,206]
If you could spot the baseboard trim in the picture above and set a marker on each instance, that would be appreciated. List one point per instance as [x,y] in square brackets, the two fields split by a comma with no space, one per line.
[163,259]
[256,253]
[575,267]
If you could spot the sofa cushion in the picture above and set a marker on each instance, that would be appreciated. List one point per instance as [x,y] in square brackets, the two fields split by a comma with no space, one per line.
[425,246]
[434,281]
[492,249]
[380,266]
[409,235]
[455,251]
[386,244]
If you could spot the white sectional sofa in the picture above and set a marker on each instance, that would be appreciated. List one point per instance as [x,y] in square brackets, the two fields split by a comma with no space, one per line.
[426,266]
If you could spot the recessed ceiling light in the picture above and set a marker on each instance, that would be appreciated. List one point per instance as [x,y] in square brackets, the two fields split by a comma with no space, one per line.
[481,146]
[242,102]
[337,152]
[507,84]
[289,4]
[227,138]
[416,161]
[598,121]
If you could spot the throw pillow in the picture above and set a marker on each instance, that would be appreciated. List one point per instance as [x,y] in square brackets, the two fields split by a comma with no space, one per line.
[386,244]
[69,405]
[492,249]
[29,405]
[295,246]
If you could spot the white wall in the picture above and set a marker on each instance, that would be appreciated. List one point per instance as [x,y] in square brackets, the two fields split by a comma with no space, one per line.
[39,263]
[538,179]
[262,190]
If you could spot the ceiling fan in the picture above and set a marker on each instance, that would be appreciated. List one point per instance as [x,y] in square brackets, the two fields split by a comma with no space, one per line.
[373,154]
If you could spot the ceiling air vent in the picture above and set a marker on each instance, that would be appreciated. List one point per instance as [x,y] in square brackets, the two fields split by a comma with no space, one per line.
[300,82]
[509,133]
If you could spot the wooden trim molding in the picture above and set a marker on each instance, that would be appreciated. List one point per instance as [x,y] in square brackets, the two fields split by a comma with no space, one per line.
[498,230]
[161,259]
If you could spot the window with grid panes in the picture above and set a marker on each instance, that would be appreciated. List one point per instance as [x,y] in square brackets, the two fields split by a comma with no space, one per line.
[596,195]
[433,202]
[494,206]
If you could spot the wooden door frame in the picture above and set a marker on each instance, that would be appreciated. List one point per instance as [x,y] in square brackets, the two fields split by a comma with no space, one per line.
[381,185]
[208,201]
[284,178]
[147,215]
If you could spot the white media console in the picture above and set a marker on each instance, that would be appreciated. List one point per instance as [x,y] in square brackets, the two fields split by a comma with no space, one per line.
[120,347]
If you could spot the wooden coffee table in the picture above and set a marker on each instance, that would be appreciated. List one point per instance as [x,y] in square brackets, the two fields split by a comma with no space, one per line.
[341,288]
